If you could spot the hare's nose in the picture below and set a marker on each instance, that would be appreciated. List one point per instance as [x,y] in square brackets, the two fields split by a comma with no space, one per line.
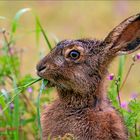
[40,67]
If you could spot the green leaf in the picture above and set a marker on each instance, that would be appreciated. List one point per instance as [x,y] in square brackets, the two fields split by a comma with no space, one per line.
[25,122]
[26,79]
[18,90]
[113,95]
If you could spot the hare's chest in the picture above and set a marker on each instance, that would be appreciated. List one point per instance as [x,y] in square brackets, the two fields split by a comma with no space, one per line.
[80,124]
[60,123]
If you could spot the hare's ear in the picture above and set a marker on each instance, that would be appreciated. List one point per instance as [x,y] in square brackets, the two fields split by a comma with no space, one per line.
[125,38]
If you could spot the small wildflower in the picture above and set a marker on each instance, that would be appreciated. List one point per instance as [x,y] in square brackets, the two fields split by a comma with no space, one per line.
[111,76]
[11,106]
[124,105]
[45,106]
[11,51]
[2,30]
[30,89]
[0,108]
[136,57]
[134,95]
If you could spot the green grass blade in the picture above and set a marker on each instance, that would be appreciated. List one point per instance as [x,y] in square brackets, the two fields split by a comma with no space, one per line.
[43,32]
[56,40]
[19,91]
[113,93]
[16,19]
[44,82]
[37,33]
[121,68]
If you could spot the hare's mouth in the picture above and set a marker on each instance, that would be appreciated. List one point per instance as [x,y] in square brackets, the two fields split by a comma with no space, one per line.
[50,84]
[52,81]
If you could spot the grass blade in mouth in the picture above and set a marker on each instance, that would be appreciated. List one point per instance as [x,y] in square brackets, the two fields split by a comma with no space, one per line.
[43,85]
[20,89]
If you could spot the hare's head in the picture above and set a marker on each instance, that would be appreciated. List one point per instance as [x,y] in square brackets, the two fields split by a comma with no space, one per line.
[80,65]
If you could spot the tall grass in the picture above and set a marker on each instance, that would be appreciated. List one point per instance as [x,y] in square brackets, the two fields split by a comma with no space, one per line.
[10,101]
[20,111]
[129,111]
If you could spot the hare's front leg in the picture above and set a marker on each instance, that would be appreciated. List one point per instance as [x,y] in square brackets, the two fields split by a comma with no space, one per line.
[118,130]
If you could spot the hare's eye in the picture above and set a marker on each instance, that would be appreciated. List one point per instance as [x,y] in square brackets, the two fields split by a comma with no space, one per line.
[74,54]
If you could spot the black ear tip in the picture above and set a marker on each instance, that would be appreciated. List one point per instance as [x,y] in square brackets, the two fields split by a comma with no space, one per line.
[138,14]
[137,17]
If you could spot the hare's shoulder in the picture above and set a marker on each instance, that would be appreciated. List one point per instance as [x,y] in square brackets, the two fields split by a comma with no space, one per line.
[106,124]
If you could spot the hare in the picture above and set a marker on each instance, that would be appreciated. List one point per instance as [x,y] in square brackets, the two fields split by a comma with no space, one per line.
[78,70]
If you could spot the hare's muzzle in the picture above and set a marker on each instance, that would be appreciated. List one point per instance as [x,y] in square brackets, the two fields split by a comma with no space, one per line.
[41,72]
[41,68]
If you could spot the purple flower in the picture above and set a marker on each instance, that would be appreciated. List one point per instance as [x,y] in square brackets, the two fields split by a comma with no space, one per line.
[134,95]
[0,110]
[138,56]
[11,51]
[45,106]
[30,89]
[124,105]
[111,76]
[11,106]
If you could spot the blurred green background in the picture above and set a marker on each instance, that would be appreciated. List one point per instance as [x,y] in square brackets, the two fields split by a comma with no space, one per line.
[70,20]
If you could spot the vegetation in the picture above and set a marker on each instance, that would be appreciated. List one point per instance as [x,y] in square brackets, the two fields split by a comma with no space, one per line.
[19,104]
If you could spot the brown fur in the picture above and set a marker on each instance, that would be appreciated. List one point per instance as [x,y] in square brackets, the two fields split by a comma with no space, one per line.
[82,108]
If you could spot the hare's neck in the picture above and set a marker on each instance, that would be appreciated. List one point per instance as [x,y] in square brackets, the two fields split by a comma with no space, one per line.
[76,100]
[73,100]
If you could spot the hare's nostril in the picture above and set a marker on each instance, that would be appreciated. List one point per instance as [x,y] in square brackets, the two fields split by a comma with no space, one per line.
[41,67]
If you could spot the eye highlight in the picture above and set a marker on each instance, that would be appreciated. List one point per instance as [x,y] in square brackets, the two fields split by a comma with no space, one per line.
[74,54]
